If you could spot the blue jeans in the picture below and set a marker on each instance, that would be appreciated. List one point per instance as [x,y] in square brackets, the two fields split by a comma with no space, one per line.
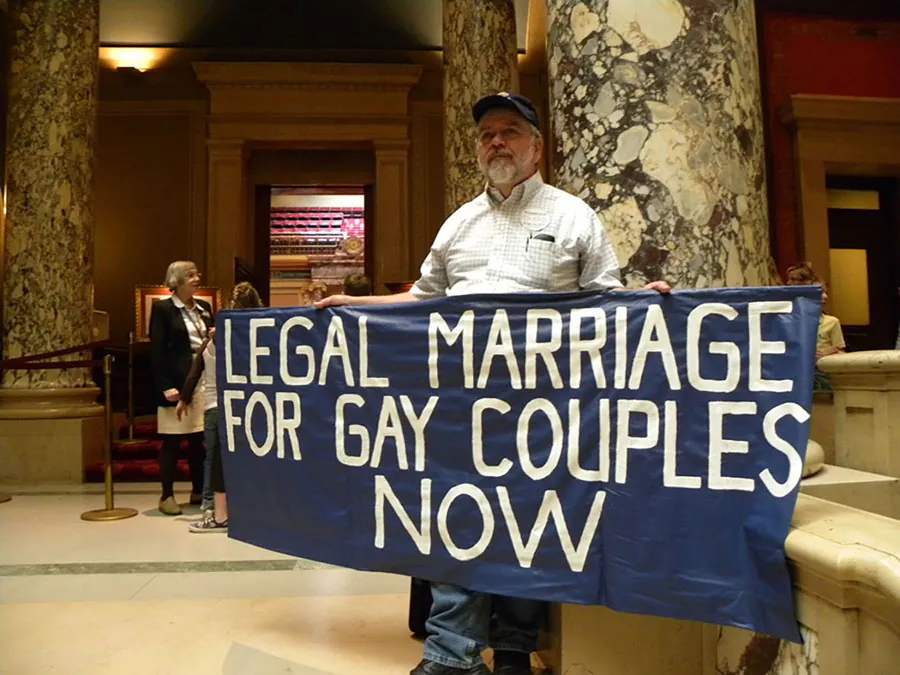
[463,622]
[210,438]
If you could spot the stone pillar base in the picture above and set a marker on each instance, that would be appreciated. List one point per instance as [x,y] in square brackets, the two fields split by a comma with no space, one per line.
[679,647]
[49,435]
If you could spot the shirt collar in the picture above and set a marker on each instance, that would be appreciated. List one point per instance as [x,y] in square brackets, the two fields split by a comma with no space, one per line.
[521,194]
[178,302]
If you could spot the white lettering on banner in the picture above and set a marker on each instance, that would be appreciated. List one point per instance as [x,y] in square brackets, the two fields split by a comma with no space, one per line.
[625,441]
[758,346]
[621,347]
[301,350]
[719,445]
[670,447]
[231,420]
[257,398]
[389,426]
[728,349]
[230,377]
[487,522]
[795,461]
[500,343]
[627,373]
[556,446]
[573,458]
[418,424]
[576,555]
[545,350]
[482,467]
[287,425]
[551,507]
[256,351]
[421,537]
[355,430]
[336,345]
[365,380]
[654,338]
[464,329]
[591,347]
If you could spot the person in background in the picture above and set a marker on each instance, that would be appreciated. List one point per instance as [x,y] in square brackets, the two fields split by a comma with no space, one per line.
[178,326]
[243,296]
[357,285]
[519,235]
[830,339]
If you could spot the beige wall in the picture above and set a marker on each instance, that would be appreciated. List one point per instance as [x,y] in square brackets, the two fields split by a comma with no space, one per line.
[149,199]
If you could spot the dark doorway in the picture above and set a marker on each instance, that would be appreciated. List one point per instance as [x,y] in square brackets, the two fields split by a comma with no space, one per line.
[864,241]
[310,238]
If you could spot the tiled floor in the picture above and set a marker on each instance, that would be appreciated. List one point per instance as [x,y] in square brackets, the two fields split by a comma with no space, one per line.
[146,596]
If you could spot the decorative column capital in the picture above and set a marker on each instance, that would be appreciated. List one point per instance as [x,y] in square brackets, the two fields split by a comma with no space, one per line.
[225,148]
[386,148]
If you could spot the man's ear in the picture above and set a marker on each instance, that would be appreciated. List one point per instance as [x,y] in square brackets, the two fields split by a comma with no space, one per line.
[538,150]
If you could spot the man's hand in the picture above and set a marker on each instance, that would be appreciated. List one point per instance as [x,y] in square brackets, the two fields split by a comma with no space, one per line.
[335,301]
[171,395]
[658,286]
[180,409]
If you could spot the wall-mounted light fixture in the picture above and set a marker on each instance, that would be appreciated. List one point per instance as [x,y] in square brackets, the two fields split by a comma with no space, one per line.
[137,59]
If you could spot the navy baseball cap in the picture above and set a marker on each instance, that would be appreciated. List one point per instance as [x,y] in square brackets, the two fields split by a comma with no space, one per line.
[504,99]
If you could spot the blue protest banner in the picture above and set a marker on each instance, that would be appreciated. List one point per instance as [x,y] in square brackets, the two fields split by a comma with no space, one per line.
[638,451]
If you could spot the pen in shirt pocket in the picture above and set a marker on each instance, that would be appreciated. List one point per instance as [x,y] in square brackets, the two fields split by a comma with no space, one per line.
[539,237]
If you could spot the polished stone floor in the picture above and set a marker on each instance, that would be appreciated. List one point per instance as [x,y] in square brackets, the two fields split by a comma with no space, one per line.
[145,595]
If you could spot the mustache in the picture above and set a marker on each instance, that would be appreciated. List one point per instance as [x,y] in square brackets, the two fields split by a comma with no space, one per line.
[499,154]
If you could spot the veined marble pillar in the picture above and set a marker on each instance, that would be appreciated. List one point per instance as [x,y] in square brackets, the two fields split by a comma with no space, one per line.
[48,239]
[479,59]
[657,124]
[48,248]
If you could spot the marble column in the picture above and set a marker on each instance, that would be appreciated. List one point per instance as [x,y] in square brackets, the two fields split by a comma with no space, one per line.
[48,247]
[479,59]
[50,423]
[657,123]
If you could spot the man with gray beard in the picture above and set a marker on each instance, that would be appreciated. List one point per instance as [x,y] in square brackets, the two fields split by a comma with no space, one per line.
[518,236]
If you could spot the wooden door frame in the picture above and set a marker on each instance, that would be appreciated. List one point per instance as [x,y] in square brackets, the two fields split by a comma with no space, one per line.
[301,105]
[837,135]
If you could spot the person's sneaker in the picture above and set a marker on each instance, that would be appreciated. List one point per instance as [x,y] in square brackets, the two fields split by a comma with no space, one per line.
[207,505]
[434,668]
[169,507]
[208,524]
[196,499]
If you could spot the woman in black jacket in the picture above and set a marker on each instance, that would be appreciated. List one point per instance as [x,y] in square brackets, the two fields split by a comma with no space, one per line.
[178,326]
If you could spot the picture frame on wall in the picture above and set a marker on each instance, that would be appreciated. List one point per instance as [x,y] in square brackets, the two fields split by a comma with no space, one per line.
[146,296]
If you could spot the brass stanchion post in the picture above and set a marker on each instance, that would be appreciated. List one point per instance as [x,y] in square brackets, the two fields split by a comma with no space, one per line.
[110,512]
[131,439]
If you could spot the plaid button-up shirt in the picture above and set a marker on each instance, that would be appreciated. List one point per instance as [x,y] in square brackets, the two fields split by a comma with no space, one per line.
[539,239]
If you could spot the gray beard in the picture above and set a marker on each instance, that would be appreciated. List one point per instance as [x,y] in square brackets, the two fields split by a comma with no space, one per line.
[502,171]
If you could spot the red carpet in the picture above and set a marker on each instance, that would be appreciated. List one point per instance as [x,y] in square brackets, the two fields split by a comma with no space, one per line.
[137,463]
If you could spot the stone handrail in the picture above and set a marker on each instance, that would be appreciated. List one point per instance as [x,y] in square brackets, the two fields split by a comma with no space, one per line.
[876,361]
[848,557]
[866,410]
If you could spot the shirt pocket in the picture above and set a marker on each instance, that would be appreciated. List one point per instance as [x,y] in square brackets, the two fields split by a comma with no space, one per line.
[539,263]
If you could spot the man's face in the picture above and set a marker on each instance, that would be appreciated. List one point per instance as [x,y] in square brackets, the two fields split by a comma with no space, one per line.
[508,151]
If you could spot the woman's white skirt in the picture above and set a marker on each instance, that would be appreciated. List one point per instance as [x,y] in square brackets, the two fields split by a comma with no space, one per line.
[191,422]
